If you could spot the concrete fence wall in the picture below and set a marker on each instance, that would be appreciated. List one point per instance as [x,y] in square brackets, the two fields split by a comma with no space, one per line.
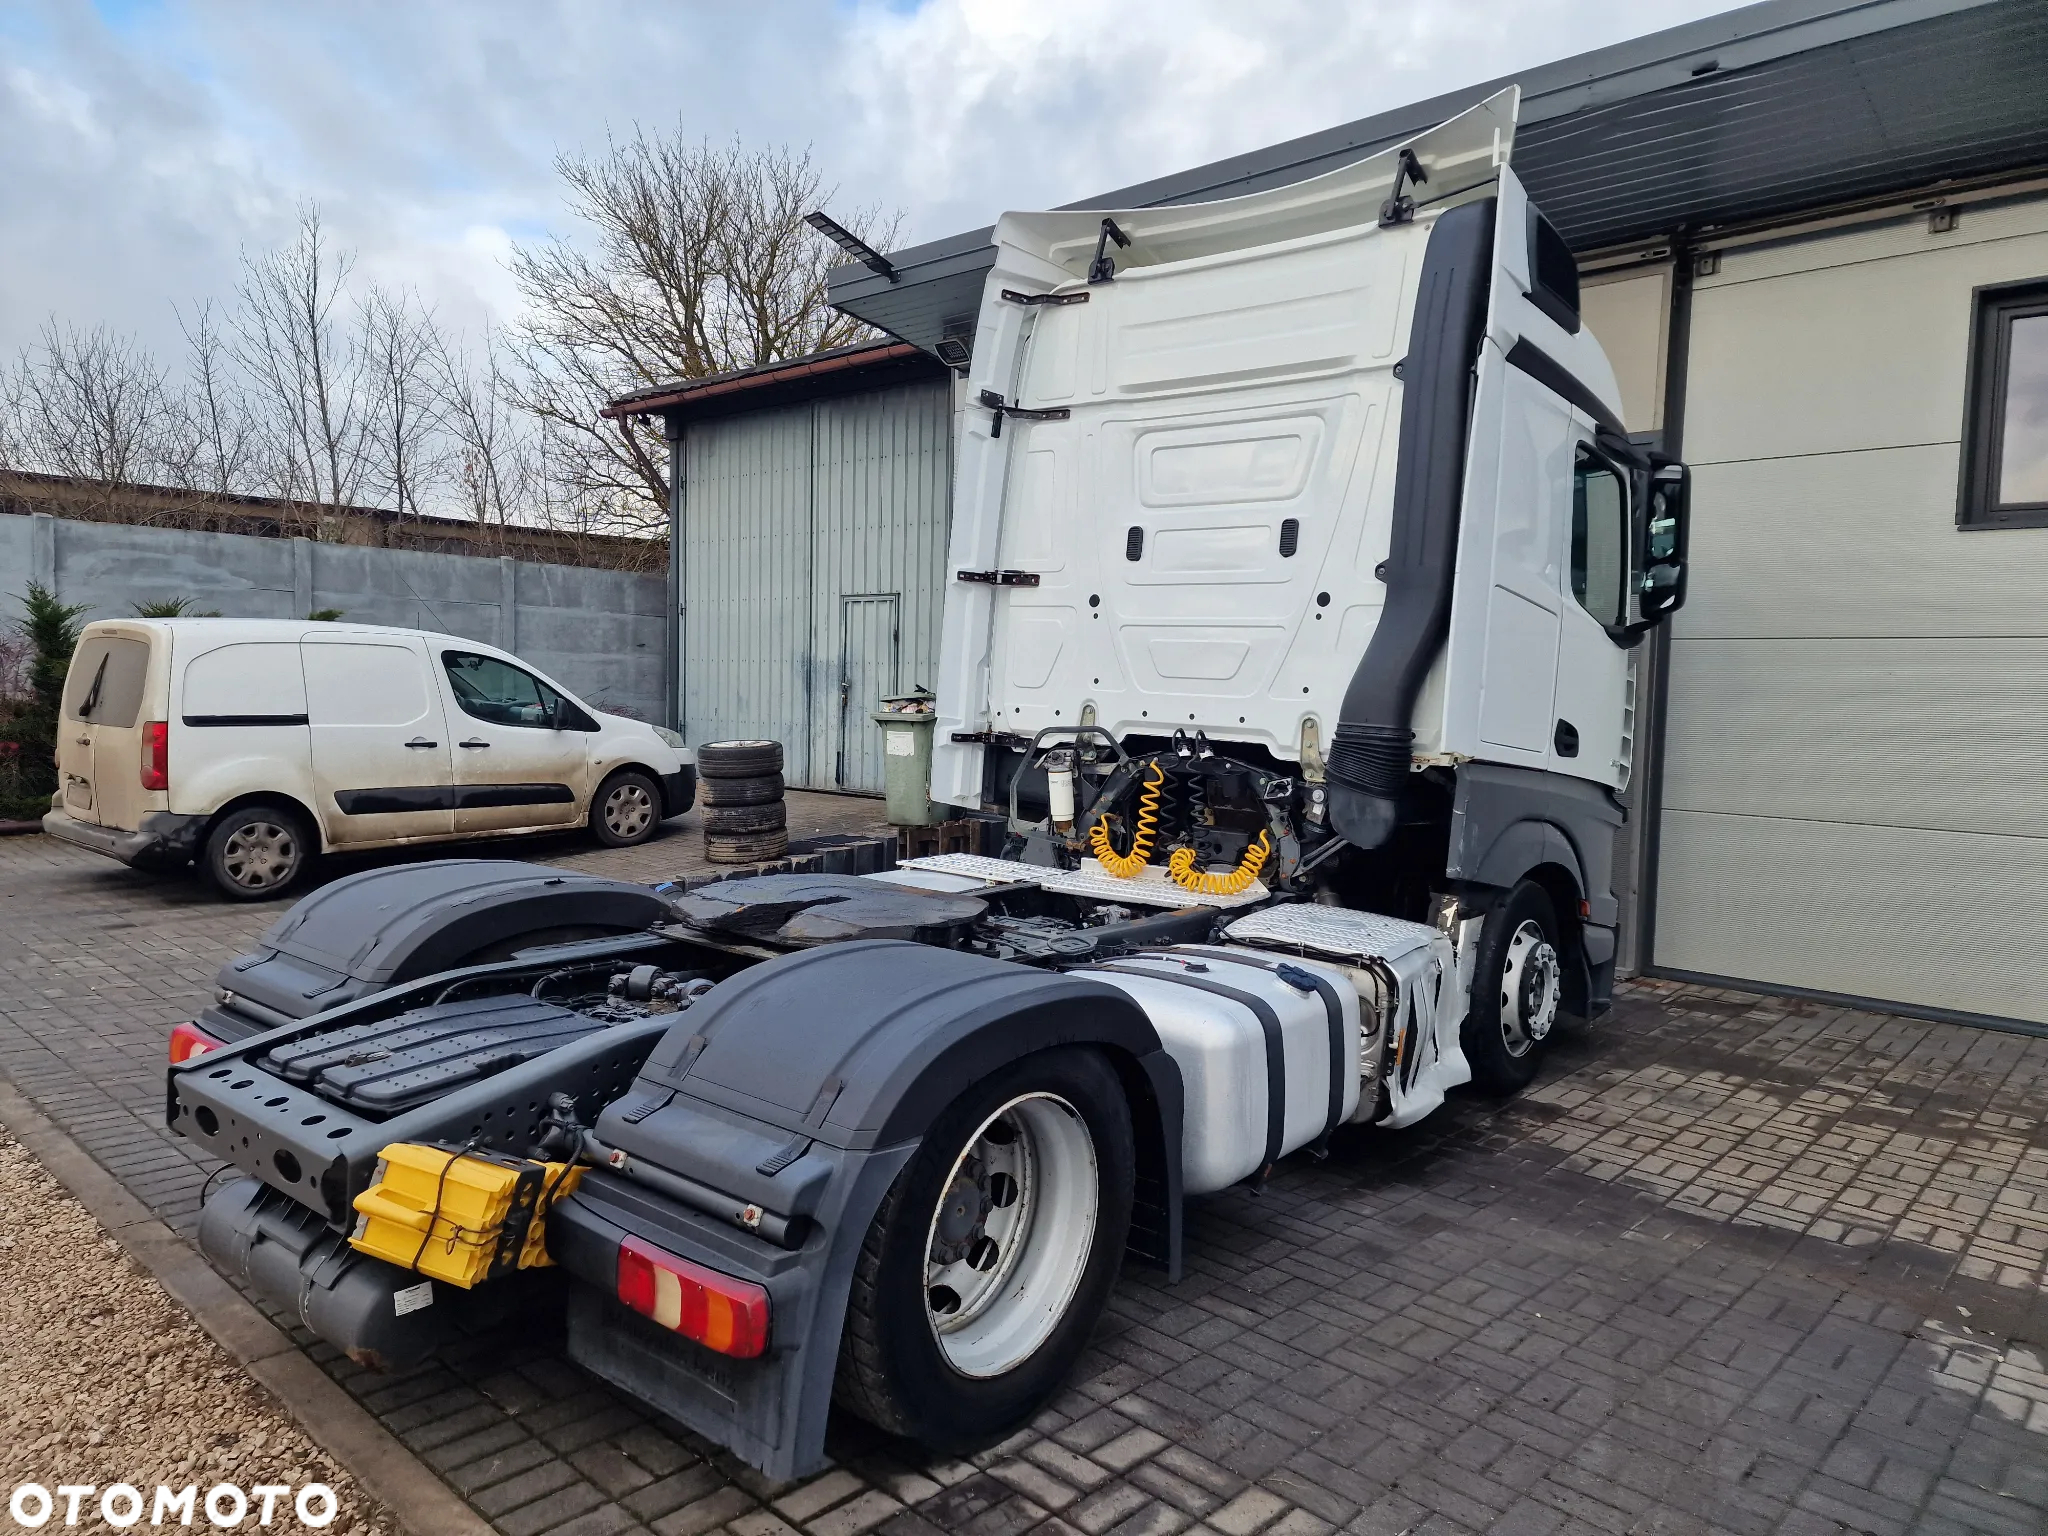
[599,633]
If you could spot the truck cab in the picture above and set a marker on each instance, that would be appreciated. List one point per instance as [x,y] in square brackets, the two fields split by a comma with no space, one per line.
[1333,478]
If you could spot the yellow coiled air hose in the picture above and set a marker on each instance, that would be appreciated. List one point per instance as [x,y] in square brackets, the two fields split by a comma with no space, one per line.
[1126,866]
[1180,868]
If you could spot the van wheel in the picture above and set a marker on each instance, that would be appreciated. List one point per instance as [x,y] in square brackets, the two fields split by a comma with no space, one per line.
[257,852]
[627,809]
[1517,987]
[992,1256]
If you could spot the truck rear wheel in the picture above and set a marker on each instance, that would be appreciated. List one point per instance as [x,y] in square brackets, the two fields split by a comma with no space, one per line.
[992,1256]
[1517,987]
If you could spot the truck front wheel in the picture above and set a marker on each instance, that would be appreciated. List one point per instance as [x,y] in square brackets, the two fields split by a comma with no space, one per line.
[1517,987]
[992,1256]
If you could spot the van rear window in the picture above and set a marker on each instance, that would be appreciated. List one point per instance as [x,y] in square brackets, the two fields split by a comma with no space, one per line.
[104,685]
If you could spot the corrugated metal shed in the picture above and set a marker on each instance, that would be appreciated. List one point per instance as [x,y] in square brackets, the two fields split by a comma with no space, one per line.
[1769,109]
[811,562]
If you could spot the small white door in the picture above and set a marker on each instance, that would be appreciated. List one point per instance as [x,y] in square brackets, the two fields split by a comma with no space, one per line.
[380,743]
[1592,671]
[516,764]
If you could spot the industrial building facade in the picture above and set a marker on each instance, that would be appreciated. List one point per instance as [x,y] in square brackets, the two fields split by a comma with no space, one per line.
[1814,243]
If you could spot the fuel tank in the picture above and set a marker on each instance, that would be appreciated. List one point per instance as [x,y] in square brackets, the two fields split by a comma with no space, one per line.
[1268,1046]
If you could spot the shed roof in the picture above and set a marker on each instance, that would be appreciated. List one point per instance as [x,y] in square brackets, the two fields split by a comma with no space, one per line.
[863,365]
[1763,112]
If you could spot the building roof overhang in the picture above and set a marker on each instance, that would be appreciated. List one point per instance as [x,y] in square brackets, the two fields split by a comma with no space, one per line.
[1765,112]
[864,365]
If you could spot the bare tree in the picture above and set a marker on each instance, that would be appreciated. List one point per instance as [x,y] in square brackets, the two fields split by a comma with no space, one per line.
[92,405]
[297,357]
[221,438]
[490,438]
[398,342]
[701,264]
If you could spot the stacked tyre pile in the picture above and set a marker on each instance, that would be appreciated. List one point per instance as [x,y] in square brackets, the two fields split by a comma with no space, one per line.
[745,820]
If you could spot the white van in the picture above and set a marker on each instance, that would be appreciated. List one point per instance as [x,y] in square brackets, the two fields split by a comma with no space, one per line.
[251,745]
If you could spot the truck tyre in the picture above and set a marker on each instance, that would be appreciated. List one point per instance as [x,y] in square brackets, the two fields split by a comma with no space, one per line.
[626,809]
[257,852]
[731,820]
[983,1273]
[745,847]
[760,789]
[1517,987]
[738,759]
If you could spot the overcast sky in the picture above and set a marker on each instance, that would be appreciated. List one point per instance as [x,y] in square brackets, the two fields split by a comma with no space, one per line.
[144,144]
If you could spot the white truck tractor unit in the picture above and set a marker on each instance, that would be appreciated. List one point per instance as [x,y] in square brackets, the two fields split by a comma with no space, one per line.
[1300,560]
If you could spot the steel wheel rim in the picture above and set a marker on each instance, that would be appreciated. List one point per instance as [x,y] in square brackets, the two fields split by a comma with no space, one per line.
[1531,986]
[628,810]
[259,855]
[1002,1263]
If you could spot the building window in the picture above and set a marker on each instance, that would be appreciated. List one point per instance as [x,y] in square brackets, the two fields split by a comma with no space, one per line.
[2005,431]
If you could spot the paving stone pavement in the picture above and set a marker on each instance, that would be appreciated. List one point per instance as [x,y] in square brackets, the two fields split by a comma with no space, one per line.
[1735,1264]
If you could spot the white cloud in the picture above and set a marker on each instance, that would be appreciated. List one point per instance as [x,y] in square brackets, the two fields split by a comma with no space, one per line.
[143,153]
[973,106]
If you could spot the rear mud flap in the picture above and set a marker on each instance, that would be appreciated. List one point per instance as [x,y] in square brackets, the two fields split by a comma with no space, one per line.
[771,1412]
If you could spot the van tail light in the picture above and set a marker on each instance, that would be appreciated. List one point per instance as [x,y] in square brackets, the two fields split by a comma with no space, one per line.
[156,755]
[189,1040]
[719,1312]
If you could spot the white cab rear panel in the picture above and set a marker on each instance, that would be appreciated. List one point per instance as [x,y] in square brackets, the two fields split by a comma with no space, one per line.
[1208,486]
[1205,520]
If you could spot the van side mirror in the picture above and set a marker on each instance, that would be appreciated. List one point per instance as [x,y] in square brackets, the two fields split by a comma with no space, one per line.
[567,717]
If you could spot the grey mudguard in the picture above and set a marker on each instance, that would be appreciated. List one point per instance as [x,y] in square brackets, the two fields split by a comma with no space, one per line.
[803,1086]
[1506,822]
[374,929]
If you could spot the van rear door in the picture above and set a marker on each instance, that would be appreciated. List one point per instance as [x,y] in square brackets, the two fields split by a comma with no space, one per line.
[380,742]
[99,738]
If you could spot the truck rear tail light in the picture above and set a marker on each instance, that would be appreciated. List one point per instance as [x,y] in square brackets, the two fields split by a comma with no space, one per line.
[189,1040]
[156,755]
[719,1312]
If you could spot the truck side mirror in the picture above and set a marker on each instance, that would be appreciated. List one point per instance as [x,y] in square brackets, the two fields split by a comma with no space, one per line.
[1665,527]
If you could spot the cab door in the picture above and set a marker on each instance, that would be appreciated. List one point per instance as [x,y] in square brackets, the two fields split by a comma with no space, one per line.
[379,740]
[1591,707]
[520,756]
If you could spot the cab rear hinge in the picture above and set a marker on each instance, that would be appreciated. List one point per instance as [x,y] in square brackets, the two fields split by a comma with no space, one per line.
[996,407]
[1044,298]
[999,578]
[1399,208]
